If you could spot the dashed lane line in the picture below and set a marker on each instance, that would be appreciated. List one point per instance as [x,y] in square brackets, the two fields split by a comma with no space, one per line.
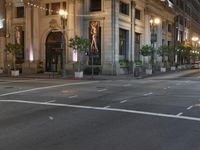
[52,101]
[47,87]
[190,107]
[106,109]
[73,96]
[101,90]
[179,114]
[124,101]
[126,85]
[147,94]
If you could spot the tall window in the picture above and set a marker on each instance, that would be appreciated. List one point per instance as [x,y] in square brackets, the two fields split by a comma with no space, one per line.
[123,43]
[124,8]
[95,5]
[47,11]
[64,6]
[20,12]
[137,14]
[169,28]
[55,7]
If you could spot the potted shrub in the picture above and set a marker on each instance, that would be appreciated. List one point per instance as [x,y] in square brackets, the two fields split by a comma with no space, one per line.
[123,63]
[147,51]
[81,45]
[14,49]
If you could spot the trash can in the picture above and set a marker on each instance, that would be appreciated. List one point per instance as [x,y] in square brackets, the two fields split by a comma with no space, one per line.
[137,71]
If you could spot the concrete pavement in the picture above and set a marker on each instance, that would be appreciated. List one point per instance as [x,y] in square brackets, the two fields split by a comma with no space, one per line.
[158,75]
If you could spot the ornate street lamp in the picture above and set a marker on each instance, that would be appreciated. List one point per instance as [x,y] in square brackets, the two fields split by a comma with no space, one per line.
[63,14]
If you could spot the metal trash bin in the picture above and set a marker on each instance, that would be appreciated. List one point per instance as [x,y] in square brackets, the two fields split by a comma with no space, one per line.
[137,71]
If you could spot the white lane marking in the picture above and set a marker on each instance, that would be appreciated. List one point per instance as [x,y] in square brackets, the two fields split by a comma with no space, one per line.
[47,87]
[168,87]
[179,114]
[51,118]
[165,88]
[178,84]
[124,101]
[190,107]
[147,94]
[73,96]
[52,101]
[101,90]
[105,109]
[126,85]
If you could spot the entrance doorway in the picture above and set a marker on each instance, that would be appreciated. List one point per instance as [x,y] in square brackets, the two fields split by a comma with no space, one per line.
[54,52]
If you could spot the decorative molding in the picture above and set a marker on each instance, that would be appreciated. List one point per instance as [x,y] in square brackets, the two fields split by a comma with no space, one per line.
[53,23]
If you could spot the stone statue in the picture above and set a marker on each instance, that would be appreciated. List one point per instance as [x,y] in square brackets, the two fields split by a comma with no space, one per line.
[93,32]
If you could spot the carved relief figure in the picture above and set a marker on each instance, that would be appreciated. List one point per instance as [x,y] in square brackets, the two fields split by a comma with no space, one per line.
[93,32]
[18,35]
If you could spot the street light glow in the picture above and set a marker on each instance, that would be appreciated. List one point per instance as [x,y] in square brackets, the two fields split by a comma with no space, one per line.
[63,13]
[157,21]
[195,39]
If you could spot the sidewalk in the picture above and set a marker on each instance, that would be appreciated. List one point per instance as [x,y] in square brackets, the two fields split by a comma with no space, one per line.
[157,75]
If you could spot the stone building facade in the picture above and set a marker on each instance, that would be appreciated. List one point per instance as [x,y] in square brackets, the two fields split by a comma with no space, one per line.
[122,27]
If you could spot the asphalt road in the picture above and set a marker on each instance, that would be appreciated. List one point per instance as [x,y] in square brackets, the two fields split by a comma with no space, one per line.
[158,113]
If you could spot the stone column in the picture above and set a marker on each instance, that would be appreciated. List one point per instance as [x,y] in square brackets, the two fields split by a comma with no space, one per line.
[111,37]
[2,35]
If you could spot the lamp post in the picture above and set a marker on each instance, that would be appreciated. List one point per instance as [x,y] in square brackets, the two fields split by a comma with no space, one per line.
[154,22]
[63,14]
[196,42]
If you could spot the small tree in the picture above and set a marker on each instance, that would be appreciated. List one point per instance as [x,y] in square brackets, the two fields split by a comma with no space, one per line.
[166,51]
[184,53]
[14,49]
[148,50]
[80,44]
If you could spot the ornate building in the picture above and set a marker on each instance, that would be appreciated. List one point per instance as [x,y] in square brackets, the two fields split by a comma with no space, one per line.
[116,28]
[2,32]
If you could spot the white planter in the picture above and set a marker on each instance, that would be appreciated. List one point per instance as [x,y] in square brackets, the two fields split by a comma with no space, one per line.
[162,69]
[14,72]
[148,71]
[146,59]
[79,74]
[1,71]
[173,68]
[179,67]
